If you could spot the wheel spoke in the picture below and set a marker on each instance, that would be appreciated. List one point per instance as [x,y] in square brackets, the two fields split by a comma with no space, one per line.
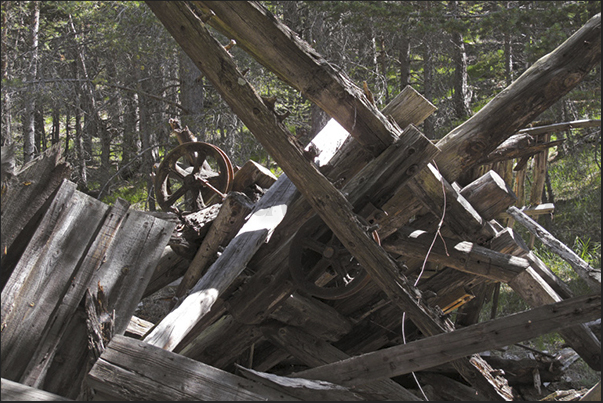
[177,172]
[176,195]
[314,245]
[198,160]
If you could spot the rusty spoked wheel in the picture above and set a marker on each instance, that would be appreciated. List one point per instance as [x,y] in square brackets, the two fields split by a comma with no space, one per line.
[320,264]
[193,176]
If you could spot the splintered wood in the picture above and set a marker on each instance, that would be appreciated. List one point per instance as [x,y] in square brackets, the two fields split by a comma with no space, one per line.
[370,197]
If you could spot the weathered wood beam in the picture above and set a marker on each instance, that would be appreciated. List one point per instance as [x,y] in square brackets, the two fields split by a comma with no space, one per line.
[560,127]
[436,350]
[315,352]
[217,65]
[590,275]
[17,392]
[130,369]
[303,389]
[24,200]
[266,215]
[294,61]
[539,286]
[235,208]
[541,209]
[539,87]
[518,146]
[464,256]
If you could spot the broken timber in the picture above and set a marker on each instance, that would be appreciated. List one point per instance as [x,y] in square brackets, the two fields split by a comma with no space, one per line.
[79,245]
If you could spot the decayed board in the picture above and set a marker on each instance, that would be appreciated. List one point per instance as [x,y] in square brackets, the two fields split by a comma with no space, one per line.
[130,369]
[40,281]
[435,350]
[13,391]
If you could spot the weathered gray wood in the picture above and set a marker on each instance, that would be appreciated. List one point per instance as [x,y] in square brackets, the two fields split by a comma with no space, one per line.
[17,392]
[560,127]
[217,65]
[492,195]
[171,266]
[235,208]
[315,352]
[518,146]
[313,315]
[130,369]
[590,275]
[252,173]
[537,286]
[138,327]
[123,272]
[213,349]
[426,353]
[280,50]
[304,389]
[409,107]
[266,215]
[80,281]
[24,200]
[541,209]
[33,296]
[464,256]
[539,87]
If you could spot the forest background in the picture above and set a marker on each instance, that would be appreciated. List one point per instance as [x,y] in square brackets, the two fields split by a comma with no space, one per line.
[103,78]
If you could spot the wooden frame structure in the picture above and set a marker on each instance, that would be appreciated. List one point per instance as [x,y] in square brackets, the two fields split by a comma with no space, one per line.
[245,316]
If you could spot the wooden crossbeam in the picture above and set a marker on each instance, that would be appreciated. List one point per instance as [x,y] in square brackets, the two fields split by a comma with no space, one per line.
[436,350]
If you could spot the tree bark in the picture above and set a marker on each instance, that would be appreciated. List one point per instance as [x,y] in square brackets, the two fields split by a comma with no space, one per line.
[29,136]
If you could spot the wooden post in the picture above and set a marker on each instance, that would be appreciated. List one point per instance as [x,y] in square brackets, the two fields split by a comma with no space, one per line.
[591,276]
[230,219]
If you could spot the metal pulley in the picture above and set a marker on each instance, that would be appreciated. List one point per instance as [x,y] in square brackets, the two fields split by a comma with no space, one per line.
[320,264]
[193,176]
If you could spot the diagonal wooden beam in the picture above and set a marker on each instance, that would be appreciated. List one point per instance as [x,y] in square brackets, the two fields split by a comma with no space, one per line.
[429,352]
[335,210]
[294,61]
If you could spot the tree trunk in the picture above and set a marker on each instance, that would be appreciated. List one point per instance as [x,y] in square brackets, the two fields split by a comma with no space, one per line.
[461,90]
[404,60]
[29,139]
[192,94]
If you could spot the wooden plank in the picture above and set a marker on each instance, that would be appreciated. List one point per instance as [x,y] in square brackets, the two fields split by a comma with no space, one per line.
[539,87]
[217,65]
[171,266]
[123,272]
[24,201]
[304,389]
[541,209]
[266,215]
[314,352]
[235,208]
[464,256]
[33,297]
[130,369]
[590,275]
[17,392]
[435,350]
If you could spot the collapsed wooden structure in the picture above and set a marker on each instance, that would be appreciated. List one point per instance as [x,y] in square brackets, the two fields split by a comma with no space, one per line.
[321,285]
